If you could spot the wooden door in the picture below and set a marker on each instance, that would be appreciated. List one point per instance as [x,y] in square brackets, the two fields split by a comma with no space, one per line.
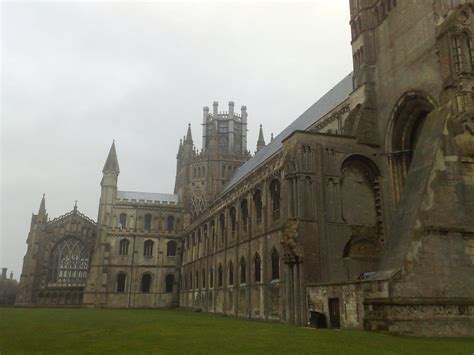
[334,315]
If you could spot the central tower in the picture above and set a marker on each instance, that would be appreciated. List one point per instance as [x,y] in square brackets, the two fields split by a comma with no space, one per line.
[202,175]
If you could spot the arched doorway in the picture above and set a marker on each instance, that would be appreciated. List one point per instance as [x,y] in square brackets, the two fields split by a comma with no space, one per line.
[403,133]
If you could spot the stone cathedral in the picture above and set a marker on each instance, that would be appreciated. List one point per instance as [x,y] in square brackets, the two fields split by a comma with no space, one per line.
[359,214]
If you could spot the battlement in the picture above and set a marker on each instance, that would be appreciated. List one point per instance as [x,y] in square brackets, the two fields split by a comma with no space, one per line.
[147,198]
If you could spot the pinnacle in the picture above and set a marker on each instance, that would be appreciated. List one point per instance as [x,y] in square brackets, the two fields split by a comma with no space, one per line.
[111,164]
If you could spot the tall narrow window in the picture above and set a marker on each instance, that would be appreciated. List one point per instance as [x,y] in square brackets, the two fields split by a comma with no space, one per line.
[170,223]
[190,280]
[196,282]
[219,275]
[203,278]
[231,273]
[233,219]
[245,213]
[146,283]
[257,198]
[275,193]
[123,220]
[258,268]
[148,248]
[222,226]
[147,222]
[169,282]
[275,264]
[243,271]
[123,247]
[211,278]
[171,248]
[121,278]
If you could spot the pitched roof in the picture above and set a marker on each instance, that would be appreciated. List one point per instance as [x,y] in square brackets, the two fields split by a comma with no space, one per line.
[325,104]
[111,164]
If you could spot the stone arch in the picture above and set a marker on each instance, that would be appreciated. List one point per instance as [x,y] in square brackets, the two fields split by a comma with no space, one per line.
[360,248]
[403,131]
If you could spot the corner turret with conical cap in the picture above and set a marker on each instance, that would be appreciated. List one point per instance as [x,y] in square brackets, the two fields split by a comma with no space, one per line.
[108,185]
[111,164]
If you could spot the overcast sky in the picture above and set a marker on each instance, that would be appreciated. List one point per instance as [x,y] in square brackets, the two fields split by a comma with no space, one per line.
[77,75]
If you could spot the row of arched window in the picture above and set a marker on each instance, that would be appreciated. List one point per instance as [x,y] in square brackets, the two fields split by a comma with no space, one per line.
[189,283]
[170,222]
[275,194]
[147,247]
[199,171]
[145,284]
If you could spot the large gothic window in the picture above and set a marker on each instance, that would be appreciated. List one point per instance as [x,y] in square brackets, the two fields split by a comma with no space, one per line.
[146,283]
[69,262]
[123,221]
[123,247]
[169,283]
[120,285]
[275,193]
[258,268]
[148,248]
[275,264]
[171,248]
[147,223]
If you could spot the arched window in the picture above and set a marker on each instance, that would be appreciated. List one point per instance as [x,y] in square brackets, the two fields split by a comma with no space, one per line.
[171,248]
[257,199]
[211,278]
[169,282]
[147,223]
[233,219]
[275,194]
[146,283]
[245,213]
[196,282]
[275,264]
[203,278]
[219,275]
[123,220]
[258,268]
[190,280]
[222,225]
[231,273]
[148,248]
[123,247]
[170,223]
[69,262]
[243,270]
[121,278]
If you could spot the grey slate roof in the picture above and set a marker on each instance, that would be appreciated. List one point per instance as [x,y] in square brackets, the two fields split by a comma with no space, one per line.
[328,102]
[147,196]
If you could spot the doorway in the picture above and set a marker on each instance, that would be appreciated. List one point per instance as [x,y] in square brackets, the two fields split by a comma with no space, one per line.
[334,315]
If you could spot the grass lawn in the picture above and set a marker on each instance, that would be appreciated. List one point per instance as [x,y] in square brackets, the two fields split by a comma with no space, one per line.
[165,331]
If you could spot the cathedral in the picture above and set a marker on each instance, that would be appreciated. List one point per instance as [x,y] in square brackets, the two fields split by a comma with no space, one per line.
[359,214]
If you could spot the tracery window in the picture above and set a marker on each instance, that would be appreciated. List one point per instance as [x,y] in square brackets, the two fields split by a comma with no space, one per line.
[275,264]
[243,271]
[231,273]
[123,221]
[123,247]
[169,282]
[170,223]
[148,248]
[219,275]
[258,268]
[171,248]
[120,285]
[69,262]
[146,283]
[257,198]
[147,223]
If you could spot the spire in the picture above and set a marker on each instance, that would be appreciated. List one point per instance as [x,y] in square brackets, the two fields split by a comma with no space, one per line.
[180,149]
[189,136]
[42,209]
[111,164]
[261,140]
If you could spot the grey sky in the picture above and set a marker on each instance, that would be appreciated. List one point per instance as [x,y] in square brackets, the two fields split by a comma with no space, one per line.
[77,75]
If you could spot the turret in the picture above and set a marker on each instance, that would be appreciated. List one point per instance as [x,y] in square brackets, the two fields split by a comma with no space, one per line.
[110,174]
[261,139]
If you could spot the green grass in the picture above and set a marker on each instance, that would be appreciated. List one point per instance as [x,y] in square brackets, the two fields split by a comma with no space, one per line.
[159,331]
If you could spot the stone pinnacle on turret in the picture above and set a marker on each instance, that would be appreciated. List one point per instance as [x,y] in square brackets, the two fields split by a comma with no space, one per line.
[42,209]
[261,139]
[189,136]
[111,164]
